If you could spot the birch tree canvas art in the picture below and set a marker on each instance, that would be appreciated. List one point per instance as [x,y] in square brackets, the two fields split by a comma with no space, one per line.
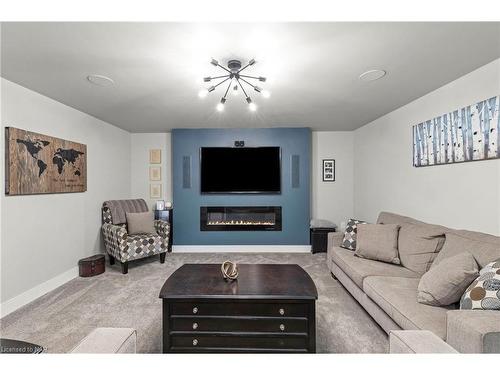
[467,134]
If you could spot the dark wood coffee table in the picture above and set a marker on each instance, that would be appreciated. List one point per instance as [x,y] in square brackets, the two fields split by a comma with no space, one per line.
[270,308]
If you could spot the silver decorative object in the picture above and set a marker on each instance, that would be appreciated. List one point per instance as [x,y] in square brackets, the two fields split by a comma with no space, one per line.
[229,270]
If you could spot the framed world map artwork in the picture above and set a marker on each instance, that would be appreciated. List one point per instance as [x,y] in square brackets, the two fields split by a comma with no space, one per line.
[40,164]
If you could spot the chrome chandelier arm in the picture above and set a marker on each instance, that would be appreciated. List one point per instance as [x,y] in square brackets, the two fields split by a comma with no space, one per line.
[242,88]
[253,86]
[227,90]
[262,79]
[251,62]
[208,79]
[227,70]
[220,83]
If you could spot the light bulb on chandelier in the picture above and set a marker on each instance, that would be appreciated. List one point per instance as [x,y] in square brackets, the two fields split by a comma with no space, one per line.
[203,93]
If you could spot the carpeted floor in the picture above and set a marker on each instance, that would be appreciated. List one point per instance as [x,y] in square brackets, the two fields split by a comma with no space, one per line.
[61,318]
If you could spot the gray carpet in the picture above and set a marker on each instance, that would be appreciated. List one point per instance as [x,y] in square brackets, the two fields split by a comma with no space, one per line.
[61,318]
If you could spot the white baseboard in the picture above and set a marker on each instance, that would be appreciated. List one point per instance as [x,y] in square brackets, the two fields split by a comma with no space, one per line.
[30,295]
[241,248]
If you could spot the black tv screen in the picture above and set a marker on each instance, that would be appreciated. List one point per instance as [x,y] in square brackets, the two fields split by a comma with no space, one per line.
[251,170]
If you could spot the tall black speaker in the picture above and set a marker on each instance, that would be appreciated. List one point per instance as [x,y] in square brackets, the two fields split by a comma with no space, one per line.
[186,172]
[295,162]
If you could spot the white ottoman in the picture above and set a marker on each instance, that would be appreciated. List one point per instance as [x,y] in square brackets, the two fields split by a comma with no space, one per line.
[108,340]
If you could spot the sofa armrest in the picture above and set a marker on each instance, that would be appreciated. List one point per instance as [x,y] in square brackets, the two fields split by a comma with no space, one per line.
[417,342]
[162,228]
[335,239]
[474,331]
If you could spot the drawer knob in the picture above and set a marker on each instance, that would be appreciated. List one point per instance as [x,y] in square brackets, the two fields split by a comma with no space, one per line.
[282,327]
[282,311]
[195,325]
[195,310]
[195,342]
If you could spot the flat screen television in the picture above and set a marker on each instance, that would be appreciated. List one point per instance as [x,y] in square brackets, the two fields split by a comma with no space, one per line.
[247,170]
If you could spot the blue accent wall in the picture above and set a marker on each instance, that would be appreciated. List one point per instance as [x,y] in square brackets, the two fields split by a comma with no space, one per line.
[295,201]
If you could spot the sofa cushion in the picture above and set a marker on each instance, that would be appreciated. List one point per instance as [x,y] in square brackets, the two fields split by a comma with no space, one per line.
[419,244]
[445,283]
[473,331]
[397,296]
[378,242]
[358,268]
[484,248]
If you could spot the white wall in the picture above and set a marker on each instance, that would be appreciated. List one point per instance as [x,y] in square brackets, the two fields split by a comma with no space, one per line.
[141,144]
[44,236]
[332,200]
[457,195]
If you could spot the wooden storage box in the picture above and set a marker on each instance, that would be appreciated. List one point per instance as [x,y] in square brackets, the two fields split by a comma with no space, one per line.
[91,266]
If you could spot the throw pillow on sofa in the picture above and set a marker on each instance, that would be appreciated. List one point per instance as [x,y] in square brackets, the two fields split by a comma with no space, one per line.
[484,292]
[445,283]
[350,234]
[140,223]
[378,242]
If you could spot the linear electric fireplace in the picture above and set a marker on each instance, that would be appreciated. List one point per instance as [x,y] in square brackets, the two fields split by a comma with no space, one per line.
[248,218]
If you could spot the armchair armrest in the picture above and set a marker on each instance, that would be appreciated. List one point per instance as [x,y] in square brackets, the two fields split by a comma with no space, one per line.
[474,331]
[417,342]
[162,228]
[115,239]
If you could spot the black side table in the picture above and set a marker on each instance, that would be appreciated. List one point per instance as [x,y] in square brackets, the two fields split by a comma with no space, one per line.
[167,215]
[319,239]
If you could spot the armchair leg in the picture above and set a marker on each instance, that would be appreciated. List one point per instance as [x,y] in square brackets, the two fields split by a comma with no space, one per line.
[111,259]
[162,257]
[124,267]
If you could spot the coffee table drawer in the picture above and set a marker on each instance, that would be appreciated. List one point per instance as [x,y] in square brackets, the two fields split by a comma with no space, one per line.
[240,308]
[195,342]
[241,324]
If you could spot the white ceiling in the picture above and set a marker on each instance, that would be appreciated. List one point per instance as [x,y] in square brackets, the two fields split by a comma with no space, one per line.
[312,69]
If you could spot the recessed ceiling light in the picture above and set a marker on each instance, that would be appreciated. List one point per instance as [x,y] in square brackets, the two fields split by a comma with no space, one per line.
[372,75]
[100,80]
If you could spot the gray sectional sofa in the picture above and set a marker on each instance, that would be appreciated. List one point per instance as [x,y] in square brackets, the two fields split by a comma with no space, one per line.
[388,291]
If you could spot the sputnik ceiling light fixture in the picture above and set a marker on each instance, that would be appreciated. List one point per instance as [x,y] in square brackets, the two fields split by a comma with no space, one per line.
[235,78]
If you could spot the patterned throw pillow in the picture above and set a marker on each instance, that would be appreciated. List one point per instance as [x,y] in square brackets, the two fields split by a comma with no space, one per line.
[351,230]
[484,292]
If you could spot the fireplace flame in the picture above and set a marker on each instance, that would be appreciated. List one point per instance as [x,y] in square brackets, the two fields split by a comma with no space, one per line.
[240,222]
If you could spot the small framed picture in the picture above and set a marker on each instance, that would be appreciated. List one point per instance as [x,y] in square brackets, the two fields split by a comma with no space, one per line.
[155,173]
[328,170]
[155,191]
[155,156]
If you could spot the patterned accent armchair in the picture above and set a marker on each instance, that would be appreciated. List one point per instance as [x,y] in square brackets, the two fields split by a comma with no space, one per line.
[124,247]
